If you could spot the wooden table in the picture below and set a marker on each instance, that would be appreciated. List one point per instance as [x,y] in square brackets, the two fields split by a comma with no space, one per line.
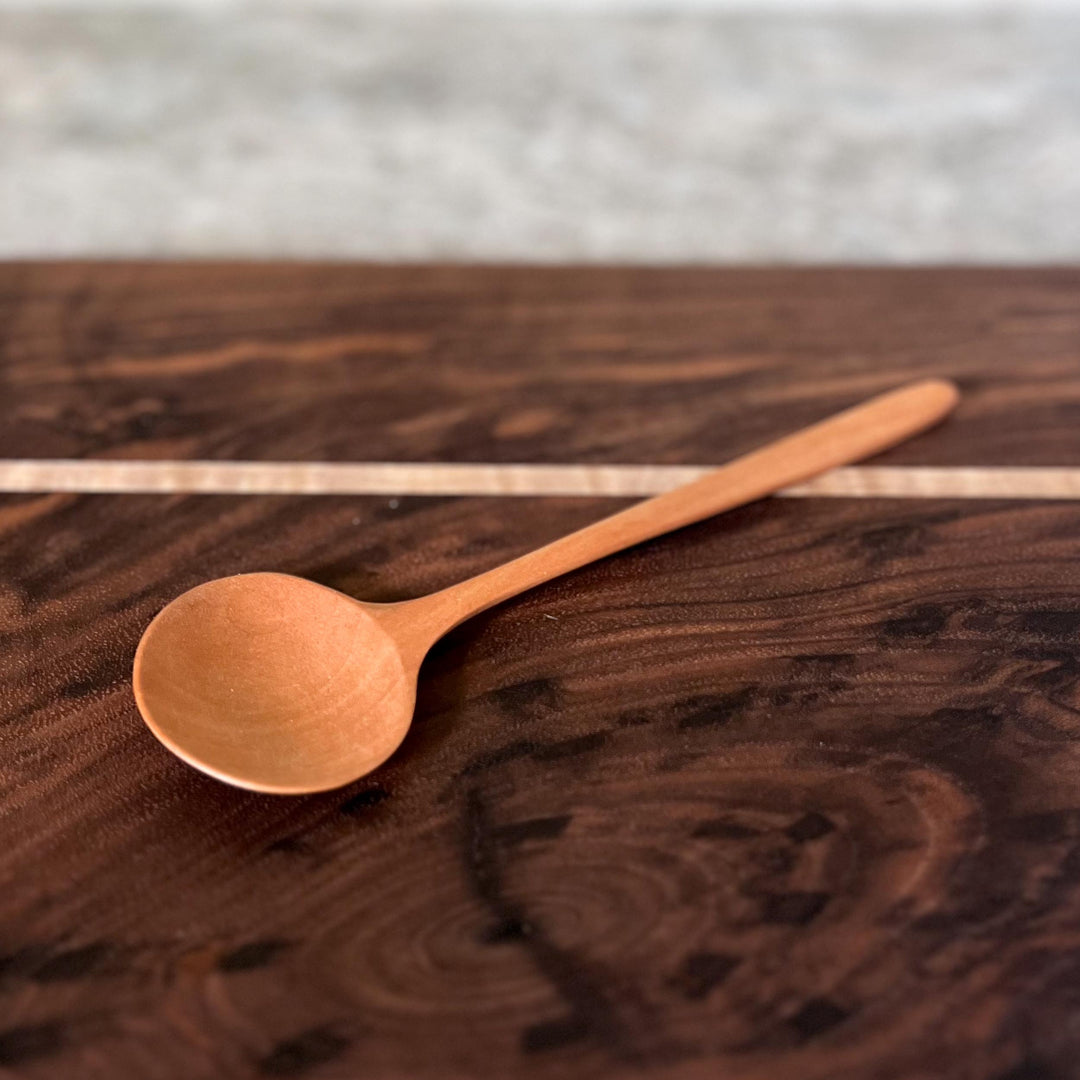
[794,793]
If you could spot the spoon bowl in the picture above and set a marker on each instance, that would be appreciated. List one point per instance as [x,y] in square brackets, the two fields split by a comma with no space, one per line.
[231,677]
[274,683]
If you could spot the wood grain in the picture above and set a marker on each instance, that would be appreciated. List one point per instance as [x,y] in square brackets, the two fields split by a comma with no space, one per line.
[791,793]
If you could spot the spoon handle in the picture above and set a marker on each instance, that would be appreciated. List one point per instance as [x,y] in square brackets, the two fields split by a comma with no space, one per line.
[849,436]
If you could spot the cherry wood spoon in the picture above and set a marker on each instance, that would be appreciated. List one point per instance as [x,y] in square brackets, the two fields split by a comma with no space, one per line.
[276,684]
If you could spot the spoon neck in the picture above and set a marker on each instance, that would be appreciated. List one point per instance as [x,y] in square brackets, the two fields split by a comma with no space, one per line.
[415,625]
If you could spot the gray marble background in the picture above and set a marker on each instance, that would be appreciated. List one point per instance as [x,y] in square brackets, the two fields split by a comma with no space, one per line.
[600,132]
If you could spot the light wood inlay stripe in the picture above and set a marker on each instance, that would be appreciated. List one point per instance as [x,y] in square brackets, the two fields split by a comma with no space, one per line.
[404,478]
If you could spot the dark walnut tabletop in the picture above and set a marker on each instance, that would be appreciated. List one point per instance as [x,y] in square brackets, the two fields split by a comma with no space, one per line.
[792,793]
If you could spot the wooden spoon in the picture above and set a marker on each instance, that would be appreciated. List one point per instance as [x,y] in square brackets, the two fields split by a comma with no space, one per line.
[274,683]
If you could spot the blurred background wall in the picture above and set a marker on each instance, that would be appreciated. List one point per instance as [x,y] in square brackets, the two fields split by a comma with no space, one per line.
[672,131]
